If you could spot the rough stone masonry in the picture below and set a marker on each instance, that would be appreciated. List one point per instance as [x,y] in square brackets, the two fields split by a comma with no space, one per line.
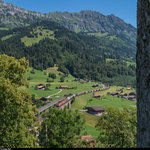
[143,73]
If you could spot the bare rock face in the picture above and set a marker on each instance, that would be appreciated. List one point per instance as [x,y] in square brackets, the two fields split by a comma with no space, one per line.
[143,73]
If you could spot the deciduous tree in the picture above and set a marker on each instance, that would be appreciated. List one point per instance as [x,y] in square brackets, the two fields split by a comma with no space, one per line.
[118,128]
[17,119]
[60,129]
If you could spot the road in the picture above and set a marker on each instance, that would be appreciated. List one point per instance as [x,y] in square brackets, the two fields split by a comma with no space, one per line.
[55,93]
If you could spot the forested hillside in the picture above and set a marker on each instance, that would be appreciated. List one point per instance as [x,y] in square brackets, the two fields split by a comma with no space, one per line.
[114,33]
[47,43]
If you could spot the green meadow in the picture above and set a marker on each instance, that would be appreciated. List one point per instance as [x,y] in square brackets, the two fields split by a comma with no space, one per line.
[7,37]
[130,63]
[105,101]
[3,28]
[92,131]
[99,34]
[39,34]
[109,59]
[80,102]
[40,77]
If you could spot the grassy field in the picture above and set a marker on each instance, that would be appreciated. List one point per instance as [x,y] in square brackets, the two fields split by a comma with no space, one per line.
[92,131]
[112,37]
[112,101]
[130,63]
[39,34]
[109,59]
[4,29]
[99,34]
[40,78]
[7,37]
[90,123]
[81,101]
[106,101]
[37,77]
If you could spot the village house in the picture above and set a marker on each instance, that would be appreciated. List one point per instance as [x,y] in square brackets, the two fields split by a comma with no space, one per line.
[114,94]
[42,98]
[132,93]
[95,85]
[96,95]
[95,110]
[40,86]
[129,88]
[123,95]
[63,87]
[132,97]
[88,138]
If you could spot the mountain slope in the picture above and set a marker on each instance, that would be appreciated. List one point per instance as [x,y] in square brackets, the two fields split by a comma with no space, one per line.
[84,21]
[47,43]
[110,29]
[90,21]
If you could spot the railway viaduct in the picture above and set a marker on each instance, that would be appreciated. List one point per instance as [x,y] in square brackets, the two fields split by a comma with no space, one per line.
[68,99]
[48,106]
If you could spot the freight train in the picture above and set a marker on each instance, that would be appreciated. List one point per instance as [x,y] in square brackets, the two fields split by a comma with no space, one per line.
[65,100]
[60,103]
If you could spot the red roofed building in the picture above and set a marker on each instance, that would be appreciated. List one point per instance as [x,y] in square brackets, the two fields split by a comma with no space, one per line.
[95,110]
[129,88]
[132,93]
[63,87]
[114,94]
[132,97]
[40,86]
[88,138]
[123,95]
[97,95]
[42,98]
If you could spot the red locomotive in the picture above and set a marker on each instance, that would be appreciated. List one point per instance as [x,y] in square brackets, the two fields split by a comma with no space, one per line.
[61,103]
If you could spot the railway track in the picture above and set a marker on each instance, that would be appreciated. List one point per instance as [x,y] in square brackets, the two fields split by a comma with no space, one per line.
[69,98]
